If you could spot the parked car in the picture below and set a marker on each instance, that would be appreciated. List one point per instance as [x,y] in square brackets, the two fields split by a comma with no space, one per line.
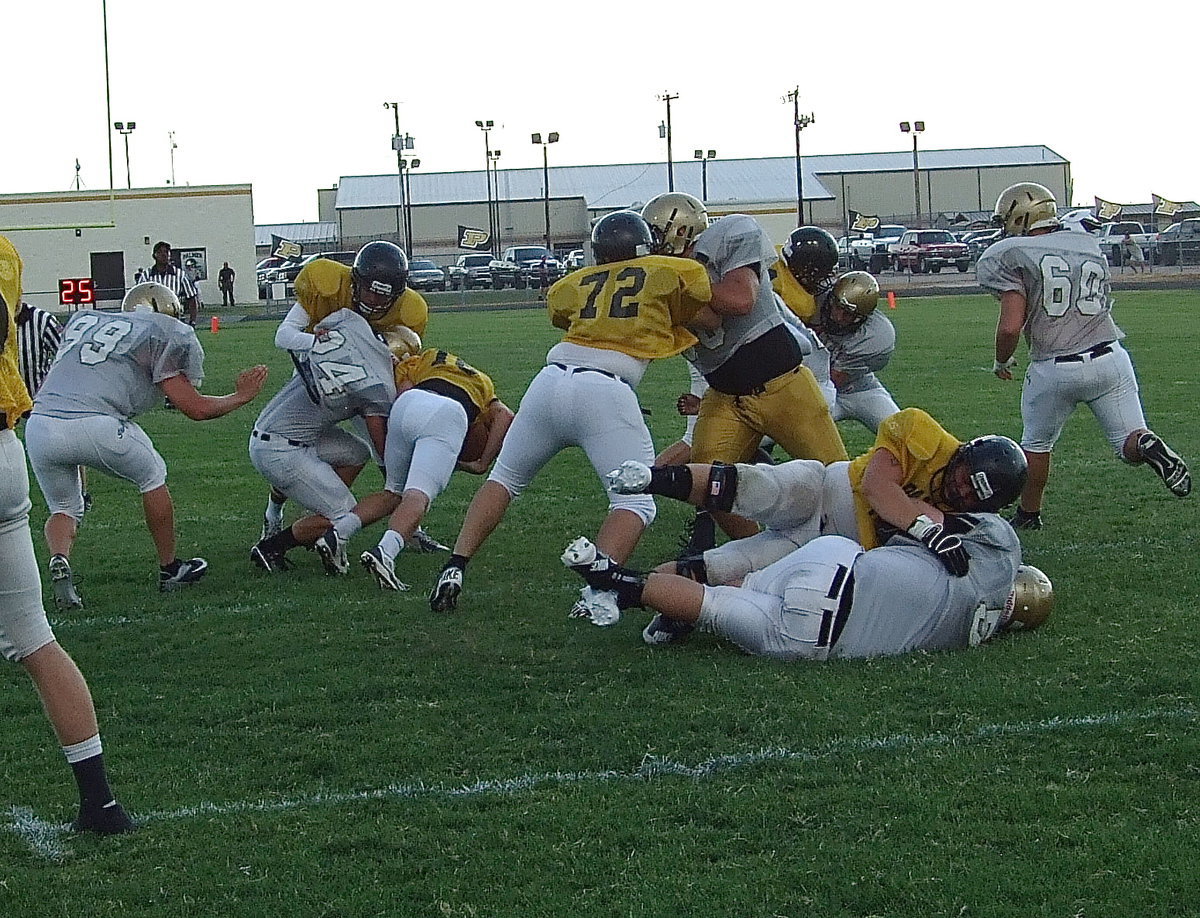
[423,274]
[471,271]
[885,237]
[854,252]
[1111,235]
[978,242]
[520,266]
[1179,243]
[575,260]
[263,271]
[930,250]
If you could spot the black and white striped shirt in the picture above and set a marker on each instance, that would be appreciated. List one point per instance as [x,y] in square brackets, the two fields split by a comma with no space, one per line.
[38,335]
[176,280]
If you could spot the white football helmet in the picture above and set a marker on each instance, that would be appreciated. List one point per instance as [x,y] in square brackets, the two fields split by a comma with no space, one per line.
[152,297]
[675,219]
[1024,207]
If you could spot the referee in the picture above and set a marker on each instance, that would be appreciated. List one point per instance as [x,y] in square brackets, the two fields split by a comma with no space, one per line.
[174,278]
[38,335]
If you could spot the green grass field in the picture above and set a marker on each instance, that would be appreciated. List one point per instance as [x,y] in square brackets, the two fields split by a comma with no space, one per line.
[297,745]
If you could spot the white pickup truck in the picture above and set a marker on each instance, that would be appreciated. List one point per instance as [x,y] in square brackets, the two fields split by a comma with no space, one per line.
[1111,235]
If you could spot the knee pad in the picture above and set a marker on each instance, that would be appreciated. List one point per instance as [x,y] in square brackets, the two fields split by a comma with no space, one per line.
[722,487]
[640,504]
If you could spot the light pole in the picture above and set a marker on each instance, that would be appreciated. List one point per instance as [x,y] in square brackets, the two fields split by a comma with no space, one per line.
[494,159]
[552,137]
[174,147]
[486,127]
[125,129]
[409,165]
[799,122]
[915,128]
[398,144]
[700,155]
[664,130]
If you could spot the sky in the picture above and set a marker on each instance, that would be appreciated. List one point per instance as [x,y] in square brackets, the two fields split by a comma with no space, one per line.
[289,97]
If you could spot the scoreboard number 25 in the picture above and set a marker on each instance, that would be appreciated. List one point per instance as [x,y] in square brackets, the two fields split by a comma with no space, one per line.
[76,291]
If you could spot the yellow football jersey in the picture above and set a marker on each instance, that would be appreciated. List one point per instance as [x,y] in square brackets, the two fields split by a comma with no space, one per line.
[323,287]
[434,364]
[797,299]
[922,447]
[638,307]
[14,398]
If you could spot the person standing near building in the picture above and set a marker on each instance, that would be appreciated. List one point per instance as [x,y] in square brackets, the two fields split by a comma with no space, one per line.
[25,634]
[174,279]
[225,279]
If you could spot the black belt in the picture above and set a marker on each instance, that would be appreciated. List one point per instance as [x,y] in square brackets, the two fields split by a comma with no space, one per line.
[455,393]
[3,420]
[833,622]
[267,438]
[1092,353]
[572,369]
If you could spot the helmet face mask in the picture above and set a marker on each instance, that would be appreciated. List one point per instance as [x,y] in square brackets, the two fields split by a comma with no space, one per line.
[380,270]
[1030,601]
[675,220]
[811,256]
[1025,207]
[152,297]
[620,236]
[985,474]
[855,295]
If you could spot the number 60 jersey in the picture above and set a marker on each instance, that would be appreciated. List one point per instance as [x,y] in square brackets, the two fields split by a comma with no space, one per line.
[111,364]
[1064,279]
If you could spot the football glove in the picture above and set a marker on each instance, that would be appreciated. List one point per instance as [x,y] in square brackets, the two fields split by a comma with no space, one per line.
[948,548]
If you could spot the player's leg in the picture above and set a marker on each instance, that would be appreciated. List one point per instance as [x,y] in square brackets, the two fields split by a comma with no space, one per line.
[725,432]
[794,411]
[1048,397]
[53,455]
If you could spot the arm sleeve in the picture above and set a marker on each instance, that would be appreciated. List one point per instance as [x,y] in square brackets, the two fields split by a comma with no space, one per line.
[291,335]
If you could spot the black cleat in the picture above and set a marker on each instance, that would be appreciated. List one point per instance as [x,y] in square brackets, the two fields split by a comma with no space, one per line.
[1166,464]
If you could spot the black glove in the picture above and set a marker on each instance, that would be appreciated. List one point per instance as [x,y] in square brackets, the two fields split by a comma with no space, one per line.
[948,548]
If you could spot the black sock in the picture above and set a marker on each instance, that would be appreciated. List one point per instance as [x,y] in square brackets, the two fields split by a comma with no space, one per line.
[459,561]
[282,541]
[92,779]
[670,481]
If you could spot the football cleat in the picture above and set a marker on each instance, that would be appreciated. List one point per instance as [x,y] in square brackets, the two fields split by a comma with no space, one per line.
[332,551]
[445,593]
[63,584]
[1023,519]
[602,573]
[383,570]
[632,477]
[1166,463]
[270,528]
[269,559]
[426,543]
[110,819]
[185,573]
[663,630]
[598,606]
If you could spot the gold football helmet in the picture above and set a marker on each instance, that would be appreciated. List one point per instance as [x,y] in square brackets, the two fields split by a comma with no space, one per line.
[152,297]
[402,341]
[1030,601]
[675,219]
[1024,207]
[857,292]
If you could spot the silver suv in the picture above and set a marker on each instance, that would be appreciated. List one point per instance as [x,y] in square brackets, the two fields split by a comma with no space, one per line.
[471,271]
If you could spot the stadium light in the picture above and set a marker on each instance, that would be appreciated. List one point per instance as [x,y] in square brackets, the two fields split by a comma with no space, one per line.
[398,141]
[552,137]
[700,155]
[125,129]
[486,127]
[915,128]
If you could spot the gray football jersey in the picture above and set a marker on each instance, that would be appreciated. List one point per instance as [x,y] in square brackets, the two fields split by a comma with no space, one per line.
[904,599]
[1065,280]
[112,363]
[733,242]
[352,373]
[864,351]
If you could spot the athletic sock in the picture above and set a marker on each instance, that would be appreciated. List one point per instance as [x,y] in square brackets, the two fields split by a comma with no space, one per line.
[391,545]
[87,762]
[459,561]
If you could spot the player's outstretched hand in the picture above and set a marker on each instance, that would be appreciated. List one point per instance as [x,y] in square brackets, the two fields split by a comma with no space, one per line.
[251,381]
[948,548]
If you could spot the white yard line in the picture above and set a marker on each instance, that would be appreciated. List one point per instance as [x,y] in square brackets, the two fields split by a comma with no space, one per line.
[47,839]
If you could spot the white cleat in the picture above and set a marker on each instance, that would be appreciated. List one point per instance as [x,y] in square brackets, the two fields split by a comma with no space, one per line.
[598,606]
[632,477]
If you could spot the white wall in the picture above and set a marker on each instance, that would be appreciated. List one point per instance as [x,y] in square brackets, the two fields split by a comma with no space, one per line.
[216,218]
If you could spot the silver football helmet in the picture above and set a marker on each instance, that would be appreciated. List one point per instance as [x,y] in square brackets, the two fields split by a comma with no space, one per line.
[857,292]
[152,297]
[1024,207]
[675,219]
[1030,601]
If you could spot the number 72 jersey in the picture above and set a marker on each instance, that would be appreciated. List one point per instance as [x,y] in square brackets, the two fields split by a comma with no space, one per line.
[112,363]
[638,307]
[1065,281]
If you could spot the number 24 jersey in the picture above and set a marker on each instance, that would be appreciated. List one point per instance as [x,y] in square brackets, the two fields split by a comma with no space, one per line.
[638,306]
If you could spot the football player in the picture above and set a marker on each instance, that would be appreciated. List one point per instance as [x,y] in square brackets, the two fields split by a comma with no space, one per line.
[110,368]
[297,445]
[629,309]
[25,634]
[830,599]
[446,418]
[914,475]
[1053,284]
[753,364]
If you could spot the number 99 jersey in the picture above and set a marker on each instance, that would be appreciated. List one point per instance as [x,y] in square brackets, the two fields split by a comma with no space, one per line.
[637,307]
[1064,279]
